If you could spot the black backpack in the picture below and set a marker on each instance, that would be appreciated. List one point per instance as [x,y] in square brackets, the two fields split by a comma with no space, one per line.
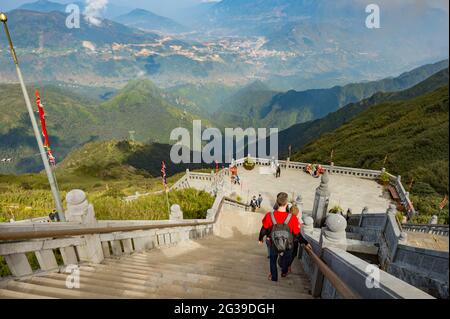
[281,235]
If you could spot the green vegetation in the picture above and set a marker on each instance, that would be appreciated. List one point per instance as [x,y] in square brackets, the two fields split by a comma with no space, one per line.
[106,171]
[412,133]
[336,210]
[73,120]
[301,134]
[28,196]
[257,105]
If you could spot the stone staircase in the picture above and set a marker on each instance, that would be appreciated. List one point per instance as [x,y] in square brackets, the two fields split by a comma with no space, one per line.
[228,265]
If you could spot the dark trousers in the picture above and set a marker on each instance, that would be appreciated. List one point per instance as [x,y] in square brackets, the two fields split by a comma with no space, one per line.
[294,252]
[284,262]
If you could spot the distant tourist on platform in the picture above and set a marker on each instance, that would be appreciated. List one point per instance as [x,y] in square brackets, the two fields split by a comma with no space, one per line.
[254,204]
[278,172]
[260,199]
[53,216]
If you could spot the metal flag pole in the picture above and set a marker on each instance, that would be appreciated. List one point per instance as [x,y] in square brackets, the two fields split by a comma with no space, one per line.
[48,170]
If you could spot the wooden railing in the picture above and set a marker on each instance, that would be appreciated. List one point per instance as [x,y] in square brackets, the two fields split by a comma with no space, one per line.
[340,286]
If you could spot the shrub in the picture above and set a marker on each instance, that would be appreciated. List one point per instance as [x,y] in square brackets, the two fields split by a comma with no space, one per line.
[336,210]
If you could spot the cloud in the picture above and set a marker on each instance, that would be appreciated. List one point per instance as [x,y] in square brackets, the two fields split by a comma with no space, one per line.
[93,11]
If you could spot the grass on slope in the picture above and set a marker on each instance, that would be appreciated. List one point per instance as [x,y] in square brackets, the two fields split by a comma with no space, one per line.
[301,134]
[414,136]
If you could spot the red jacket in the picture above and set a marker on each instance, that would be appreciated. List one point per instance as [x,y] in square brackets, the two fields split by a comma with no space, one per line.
[280,217]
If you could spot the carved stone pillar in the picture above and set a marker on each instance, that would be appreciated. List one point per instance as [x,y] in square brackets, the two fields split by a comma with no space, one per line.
[321,201]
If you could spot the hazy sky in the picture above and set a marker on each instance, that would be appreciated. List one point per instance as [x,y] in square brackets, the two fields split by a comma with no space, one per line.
[157,6]
[170,7]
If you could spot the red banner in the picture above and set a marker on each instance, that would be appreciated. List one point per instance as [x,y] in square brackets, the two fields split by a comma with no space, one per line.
[42,118]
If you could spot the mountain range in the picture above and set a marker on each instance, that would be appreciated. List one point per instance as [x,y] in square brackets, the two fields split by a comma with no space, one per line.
[258,106]
[301,134]
[144,19]
[287,44]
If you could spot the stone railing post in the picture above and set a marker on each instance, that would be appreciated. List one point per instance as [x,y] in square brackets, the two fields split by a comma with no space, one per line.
[81,211]
[308,225]
[364,211]
[433,220]
[175,212]
[334,234]
[320,208]
[299,203]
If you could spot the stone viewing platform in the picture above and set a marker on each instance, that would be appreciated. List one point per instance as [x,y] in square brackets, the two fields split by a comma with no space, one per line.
[346,191]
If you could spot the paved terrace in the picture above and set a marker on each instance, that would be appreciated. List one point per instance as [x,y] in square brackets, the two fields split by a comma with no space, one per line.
[346,191]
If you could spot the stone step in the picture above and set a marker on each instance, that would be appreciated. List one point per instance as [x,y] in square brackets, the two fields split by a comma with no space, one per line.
[244,290]
[201,275]
[93,286]
[199,269]
[12,294]
[172,276]
[216,265]
[46,291]
[148,288]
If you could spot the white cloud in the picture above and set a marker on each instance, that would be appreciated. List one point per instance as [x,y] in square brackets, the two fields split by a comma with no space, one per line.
[93,11]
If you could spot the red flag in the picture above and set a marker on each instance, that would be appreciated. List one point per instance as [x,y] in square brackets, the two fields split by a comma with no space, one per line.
[42,118]
[163,174]
[443,203]
[217,167]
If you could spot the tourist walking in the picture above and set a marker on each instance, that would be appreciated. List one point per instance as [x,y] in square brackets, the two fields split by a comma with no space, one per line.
[260,199]
[254,204]
[277,225]
[278,173]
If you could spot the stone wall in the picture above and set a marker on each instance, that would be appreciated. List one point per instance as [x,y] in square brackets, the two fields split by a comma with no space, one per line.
[355,273]
[423,268]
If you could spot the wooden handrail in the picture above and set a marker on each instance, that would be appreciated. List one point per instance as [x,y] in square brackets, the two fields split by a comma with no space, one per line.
[337,283]
[36,234]
[22,235]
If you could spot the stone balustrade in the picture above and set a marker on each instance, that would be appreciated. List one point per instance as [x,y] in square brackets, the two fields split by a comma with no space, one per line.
[364,279]
[421,267]
[84,239]
[441,230]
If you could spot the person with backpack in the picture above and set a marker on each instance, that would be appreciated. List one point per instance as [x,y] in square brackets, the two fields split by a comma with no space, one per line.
[280,227]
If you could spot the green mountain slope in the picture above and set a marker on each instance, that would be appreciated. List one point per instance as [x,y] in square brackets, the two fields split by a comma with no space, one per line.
[119,160]
[283,110]
[414,134]
[301,134]
[199,99]
[243,107]
[141,107]
[73,120]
